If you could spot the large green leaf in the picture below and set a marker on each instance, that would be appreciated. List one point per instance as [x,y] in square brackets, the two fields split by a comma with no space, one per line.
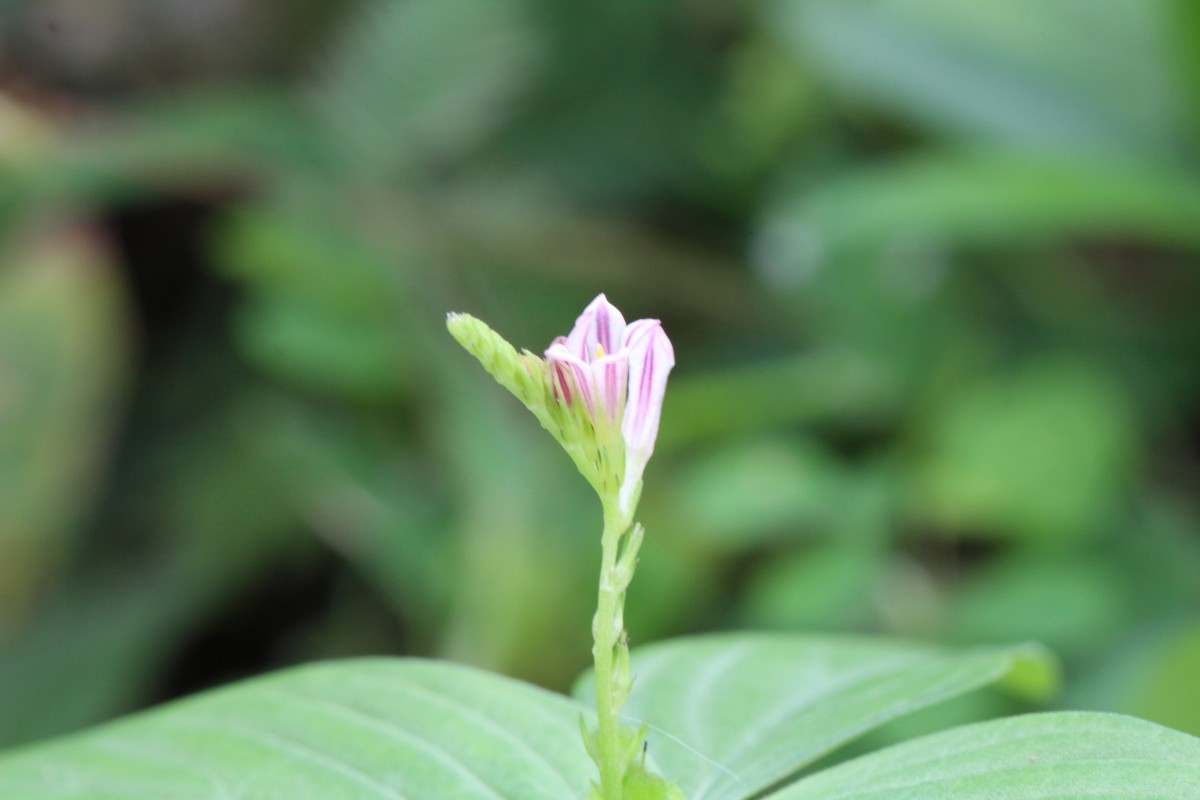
[374,729]
[734,714]
[1037,757]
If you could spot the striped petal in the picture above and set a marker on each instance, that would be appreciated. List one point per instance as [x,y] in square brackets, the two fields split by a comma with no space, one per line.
[570,377]
[600,325]
[651,358]
[610,378]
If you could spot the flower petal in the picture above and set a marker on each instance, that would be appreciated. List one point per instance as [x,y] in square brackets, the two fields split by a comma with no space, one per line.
[570,377]
[610,377]
[651,358]
[599,324]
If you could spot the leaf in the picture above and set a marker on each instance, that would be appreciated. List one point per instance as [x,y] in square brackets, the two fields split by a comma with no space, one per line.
[354,356]
[124,627]
[422,80]
[371,729]
[757,491]
[819,386]
[828,587]
[222,525]
[293,257]
[734,714]
[1095,74]
[1185,26]
[1166,690]
[1073,606]
[62,342]
[1042,454]
[1043,756]
[190,138]
[987,199]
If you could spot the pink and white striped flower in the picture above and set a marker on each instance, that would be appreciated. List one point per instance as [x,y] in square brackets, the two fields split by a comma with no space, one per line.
[617,373]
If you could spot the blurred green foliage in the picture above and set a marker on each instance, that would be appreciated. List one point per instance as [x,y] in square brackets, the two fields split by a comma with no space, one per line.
[930,269]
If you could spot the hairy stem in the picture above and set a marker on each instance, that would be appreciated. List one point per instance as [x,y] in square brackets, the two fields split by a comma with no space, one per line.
[608,633]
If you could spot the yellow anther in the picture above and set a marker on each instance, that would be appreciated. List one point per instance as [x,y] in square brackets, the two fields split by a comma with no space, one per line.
[599,352]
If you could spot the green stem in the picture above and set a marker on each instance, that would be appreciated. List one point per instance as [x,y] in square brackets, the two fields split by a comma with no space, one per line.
[607,632]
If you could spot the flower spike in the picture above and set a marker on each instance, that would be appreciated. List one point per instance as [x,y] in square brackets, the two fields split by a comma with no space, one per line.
[599,391]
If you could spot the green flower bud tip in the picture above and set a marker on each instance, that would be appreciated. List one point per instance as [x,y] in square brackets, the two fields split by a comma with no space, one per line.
[522,374]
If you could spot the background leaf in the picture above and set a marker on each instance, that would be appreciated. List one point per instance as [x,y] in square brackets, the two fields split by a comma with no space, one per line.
[977,199]
[62,359]
[421,81]
[1020,71]
[1074,755]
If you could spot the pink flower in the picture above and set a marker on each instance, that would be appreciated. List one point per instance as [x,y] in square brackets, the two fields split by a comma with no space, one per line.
[618,373]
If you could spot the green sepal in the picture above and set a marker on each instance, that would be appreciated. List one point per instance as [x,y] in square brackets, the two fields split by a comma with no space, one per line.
[589,740]
[640,784]
[637,783]
[627,562]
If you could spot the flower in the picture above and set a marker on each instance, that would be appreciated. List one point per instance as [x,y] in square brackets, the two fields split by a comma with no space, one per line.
[599,391]
[616,374]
